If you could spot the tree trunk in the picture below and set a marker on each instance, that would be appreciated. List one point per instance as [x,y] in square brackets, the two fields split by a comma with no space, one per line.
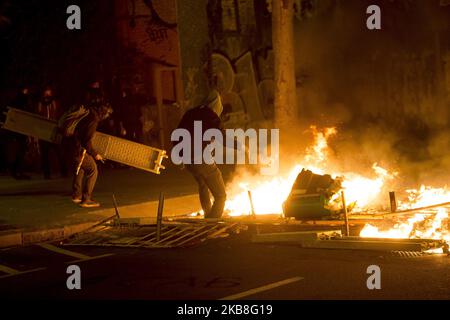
[283,49]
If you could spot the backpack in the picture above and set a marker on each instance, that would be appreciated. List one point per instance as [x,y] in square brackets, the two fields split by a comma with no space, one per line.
[70,119]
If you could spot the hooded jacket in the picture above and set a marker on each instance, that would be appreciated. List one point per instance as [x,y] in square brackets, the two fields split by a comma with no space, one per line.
[85,130]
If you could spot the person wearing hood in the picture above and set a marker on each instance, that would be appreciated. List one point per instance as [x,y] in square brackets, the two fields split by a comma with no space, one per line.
[208,176]
[86,155]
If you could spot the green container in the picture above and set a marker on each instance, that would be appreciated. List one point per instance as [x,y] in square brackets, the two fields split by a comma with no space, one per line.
[306,207]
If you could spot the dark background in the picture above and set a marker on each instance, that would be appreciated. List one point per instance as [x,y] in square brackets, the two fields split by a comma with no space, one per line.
[39,50]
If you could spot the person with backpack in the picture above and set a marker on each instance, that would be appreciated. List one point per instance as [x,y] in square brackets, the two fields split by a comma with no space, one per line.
[85,175]
[208,176]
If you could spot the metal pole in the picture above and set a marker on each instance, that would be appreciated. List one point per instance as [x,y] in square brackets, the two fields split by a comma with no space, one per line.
[116,209]
[251,204]
[392,201]
[159,216]
[347,229]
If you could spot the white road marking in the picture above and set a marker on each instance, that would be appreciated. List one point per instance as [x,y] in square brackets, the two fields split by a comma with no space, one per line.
[13,272]
[261,289]
[80,257]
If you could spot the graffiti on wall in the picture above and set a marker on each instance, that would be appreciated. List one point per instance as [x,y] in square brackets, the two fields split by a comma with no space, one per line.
[242,78]
[245,98]
[150,28]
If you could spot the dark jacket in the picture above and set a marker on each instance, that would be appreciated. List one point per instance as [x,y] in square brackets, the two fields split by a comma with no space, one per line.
[85,130]
[209,119]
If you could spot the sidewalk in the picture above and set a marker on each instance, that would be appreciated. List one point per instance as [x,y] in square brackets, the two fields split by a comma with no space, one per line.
[38,205]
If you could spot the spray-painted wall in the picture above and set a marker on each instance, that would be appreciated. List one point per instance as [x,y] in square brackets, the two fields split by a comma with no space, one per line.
[342,68]
[235,57]
[148,36]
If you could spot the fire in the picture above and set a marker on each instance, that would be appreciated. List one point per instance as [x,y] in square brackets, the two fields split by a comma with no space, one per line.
[425,196]
[420,226]
[365,191]
[431,224]
[268,196]
[362,192]
[269,193]
[318,152]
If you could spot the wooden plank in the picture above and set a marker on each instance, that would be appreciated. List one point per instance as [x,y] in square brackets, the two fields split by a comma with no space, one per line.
[413,210]
[390,239]
[364,245]
[293,237]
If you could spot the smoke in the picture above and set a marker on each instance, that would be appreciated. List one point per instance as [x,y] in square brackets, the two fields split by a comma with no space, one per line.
[384,90]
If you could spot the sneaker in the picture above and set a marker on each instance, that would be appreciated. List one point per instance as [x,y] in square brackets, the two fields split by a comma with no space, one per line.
[89,204]
[76,200]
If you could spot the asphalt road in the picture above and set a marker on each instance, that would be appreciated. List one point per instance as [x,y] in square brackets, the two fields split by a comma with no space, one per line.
[230,267]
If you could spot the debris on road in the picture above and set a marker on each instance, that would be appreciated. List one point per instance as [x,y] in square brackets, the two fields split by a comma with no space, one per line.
[295,237]
[171,235]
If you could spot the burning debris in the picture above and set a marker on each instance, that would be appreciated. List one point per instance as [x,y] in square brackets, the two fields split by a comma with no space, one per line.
[311,196]
[306,192]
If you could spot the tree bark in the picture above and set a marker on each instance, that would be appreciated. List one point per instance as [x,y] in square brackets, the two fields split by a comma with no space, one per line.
[284,60]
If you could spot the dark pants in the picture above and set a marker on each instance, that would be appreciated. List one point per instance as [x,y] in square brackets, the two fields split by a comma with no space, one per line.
[210,181]
[46,148]
[88,171]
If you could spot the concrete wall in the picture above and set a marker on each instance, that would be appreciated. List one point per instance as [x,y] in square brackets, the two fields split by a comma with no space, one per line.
[397,72]
[194,49]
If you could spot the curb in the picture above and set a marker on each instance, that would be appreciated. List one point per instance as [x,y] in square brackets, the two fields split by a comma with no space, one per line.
[22,238]
[134,214]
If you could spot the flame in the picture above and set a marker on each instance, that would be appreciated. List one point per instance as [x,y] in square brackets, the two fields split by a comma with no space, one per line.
[431,224]
[420,226]
[268,196]
[269,193]
[425,196]
[363,192]
[318,152]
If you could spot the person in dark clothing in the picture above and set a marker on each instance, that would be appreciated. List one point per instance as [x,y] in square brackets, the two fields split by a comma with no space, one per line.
[49,108]
[128,115]
[94,94]
[23,102]
[208,176]
[86,155]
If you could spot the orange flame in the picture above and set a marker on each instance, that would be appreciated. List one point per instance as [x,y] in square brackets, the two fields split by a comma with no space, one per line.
[269,193]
